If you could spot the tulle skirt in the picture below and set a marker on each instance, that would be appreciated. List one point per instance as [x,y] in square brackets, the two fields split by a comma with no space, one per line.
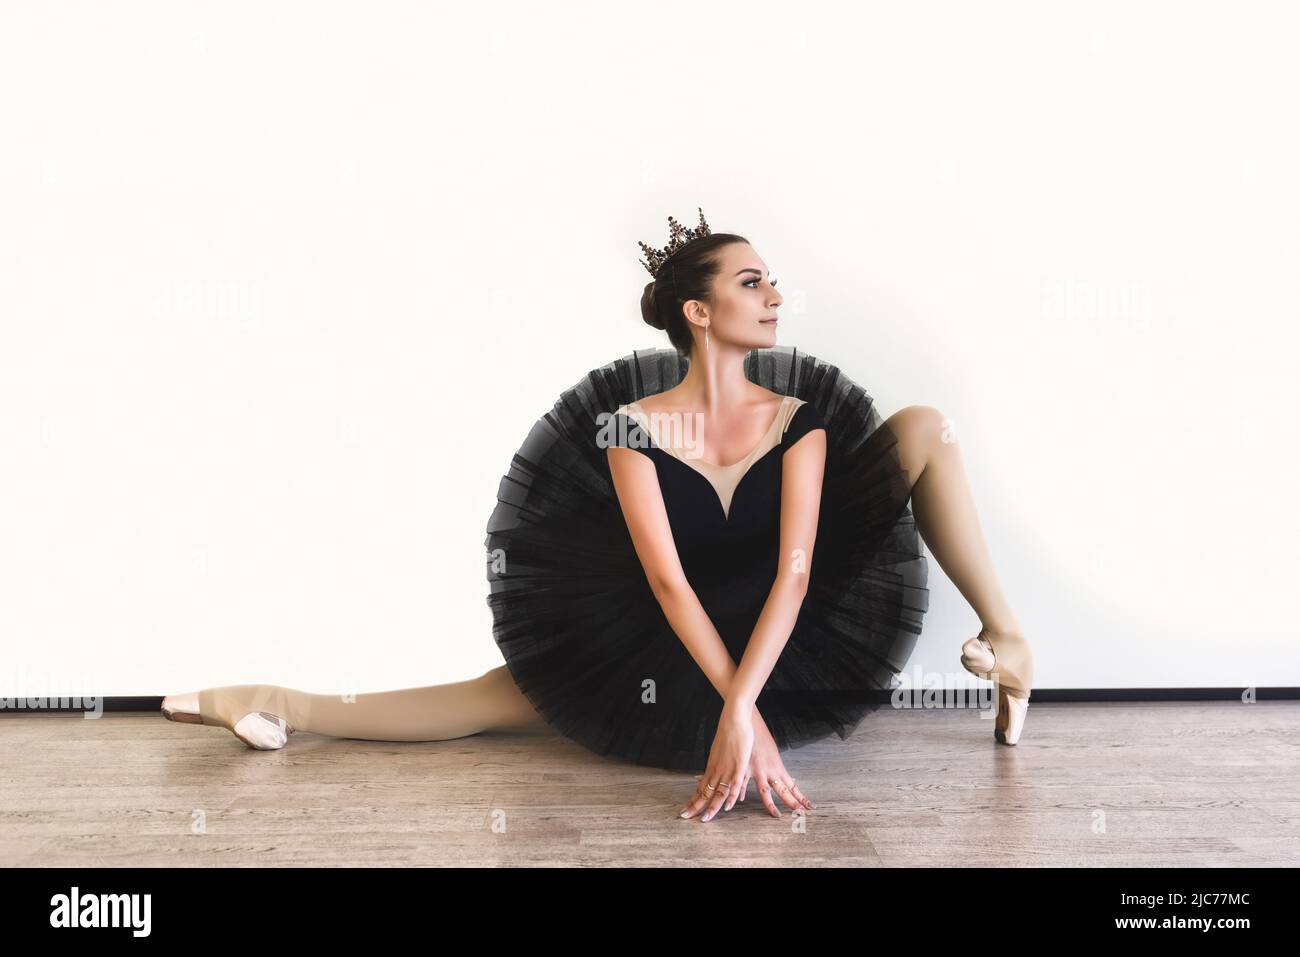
[583,635]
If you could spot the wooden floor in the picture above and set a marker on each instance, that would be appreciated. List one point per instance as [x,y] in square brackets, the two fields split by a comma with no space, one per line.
[1169,784]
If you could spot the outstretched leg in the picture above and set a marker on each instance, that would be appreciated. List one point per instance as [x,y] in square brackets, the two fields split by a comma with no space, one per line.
[944,509]
[432,713]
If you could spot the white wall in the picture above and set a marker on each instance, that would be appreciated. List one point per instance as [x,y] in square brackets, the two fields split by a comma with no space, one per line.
[284,285]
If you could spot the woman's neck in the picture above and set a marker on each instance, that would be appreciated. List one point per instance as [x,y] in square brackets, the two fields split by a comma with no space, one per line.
[715,380]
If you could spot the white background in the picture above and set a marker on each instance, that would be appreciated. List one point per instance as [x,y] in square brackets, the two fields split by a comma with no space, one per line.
[284,286]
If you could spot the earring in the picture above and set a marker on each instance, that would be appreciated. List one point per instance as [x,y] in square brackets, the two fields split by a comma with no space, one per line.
[706,338]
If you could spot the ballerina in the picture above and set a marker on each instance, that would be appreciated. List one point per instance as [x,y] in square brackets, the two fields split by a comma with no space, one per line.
[651,560]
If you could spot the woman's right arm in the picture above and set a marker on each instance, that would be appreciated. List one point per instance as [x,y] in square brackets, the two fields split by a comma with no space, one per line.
[637,485]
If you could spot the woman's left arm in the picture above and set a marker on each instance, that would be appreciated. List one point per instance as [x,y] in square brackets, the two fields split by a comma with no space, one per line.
[803,467]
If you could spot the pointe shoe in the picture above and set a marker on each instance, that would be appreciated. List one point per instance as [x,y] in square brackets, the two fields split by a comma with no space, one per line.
[263,731]
[182,708]
[260,730]
[1012,673]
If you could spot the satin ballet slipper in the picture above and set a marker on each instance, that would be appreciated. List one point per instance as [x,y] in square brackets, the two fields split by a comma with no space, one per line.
[238,709]
[1006,660]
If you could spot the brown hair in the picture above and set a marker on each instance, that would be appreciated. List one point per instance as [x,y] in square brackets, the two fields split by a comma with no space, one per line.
[688,274]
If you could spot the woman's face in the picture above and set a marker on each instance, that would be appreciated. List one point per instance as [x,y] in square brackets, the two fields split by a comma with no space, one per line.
[743,311]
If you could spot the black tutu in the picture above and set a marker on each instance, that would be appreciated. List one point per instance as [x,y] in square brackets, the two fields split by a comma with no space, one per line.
[575,618]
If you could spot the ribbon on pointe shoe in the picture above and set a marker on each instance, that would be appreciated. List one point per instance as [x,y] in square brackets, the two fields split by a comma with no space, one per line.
[1007,659]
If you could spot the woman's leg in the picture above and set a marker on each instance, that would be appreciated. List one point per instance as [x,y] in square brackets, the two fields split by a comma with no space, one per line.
[432,713]
[944,508]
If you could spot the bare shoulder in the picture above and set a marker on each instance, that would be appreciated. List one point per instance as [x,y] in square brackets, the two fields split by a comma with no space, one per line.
[662,402]
[769,402]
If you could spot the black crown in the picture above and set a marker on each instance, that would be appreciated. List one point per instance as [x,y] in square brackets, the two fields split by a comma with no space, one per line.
[679,236]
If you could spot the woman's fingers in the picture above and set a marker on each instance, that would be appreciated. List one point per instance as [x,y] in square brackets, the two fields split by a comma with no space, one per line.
[738,792]
[726,786]
[765,794]
[784,787]
[715,792]
[700,799]
[694,799]
[734,794]
[799,794]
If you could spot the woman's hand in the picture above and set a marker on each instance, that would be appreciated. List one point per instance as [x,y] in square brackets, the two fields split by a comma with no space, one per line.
[767,768]
[725,775]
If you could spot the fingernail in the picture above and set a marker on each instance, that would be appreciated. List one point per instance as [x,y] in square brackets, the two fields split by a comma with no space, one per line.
[684,813]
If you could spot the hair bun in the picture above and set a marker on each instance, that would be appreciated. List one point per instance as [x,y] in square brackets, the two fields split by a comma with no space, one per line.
[648,310]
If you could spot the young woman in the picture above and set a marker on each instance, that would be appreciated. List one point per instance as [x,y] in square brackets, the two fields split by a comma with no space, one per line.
[651,558]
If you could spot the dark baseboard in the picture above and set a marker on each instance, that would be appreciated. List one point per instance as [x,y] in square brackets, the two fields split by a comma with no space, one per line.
[1040,696]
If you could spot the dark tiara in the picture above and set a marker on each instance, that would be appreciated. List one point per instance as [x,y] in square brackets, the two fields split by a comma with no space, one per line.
[679,236]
